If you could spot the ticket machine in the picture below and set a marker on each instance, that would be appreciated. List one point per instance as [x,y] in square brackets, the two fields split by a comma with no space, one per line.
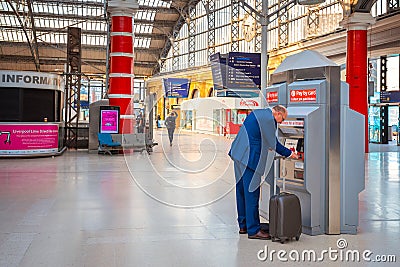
[329,136]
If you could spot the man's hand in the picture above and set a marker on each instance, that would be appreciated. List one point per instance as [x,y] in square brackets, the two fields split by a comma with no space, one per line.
[294,155]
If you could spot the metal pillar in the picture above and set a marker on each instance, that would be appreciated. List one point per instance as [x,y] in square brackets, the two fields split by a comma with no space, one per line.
[333,161]
[257,39]
[192,35]
[175,53]
[384,110]
[72,87]
[121,61]
[235,29]
[356,70]
[211,27]
[283,25]
[264,53]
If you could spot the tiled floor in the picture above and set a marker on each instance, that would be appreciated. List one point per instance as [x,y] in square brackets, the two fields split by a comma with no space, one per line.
[174,207]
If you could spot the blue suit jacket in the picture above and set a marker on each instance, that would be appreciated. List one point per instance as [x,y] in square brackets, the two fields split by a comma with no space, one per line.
[256,136]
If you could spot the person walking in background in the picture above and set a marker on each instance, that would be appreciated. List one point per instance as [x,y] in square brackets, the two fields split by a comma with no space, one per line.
[158,118]
[249,150]
[170,124]
[140,122]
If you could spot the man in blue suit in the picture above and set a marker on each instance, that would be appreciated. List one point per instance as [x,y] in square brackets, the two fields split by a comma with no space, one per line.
[249,151]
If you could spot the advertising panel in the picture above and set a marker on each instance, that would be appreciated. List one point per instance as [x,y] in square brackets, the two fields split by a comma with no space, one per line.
[176,87]
[109,119]
[25,139]
[84,97]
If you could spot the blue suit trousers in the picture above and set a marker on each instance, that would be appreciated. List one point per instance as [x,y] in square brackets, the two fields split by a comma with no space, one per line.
[247,198]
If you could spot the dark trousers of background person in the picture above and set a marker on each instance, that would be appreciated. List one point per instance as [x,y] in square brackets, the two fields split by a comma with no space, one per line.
[171,134]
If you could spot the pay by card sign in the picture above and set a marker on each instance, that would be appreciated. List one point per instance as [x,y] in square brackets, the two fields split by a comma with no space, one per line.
[272,97]
[303,95]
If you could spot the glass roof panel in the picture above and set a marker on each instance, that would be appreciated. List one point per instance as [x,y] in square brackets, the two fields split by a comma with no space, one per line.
[145,15]
[143,28]
[8,20]
[142,42]
[53,15]
[52,18]
[155,3]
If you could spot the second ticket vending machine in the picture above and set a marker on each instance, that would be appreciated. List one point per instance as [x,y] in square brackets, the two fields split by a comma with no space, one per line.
[329,136]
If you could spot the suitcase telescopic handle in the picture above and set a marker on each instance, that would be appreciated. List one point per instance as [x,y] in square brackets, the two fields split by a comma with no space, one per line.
[276,172]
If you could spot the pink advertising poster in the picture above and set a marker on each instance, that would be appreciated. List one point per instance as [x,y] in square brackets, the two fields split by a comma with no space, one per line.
[25,139]
[109,121]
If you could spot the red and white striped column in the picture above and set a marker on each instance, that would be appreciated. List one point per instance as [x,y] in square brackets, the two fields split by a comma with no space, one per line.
[121,73]
[357,65]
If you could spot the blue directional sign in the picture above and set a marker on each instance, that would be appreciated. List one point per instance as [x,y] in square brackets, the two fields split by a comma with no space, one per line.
[176,87]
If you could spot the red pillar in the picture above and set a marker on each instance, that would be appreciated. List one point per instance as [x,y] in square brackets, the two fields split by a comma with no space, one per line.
[121,76]
[356,64]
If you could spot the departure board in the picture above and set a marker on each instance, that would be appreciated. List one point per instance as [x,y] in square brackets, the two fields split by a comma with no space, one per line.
[244,70]
[390,96]
[218,70]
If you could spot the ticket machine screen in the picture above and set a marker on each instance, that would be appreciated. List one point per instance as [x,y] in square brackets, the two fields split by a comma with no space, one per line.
[292,137]
[295,144]
[300,145]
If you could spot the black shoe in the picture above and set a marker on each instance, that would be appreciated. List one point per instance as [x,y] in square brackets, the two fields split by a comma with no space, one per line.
[242,231]
[260,235]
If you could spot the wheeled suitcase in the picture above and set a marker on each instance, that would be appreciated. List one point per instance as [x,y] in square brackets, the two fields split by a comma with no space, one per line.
[284,215]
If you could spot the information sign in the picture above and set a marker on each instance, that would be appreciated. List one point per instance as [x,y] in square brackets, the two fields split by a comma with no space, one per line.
[176,87]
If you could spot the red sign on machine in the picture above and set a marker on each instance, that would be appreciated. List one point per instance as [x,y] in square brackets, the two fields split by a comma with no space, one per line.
[272,97]
[303,95]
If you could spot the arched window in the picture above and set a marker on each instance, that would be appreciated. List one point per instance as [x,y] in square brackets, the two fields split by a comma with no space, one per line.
[211,92]
[195,93]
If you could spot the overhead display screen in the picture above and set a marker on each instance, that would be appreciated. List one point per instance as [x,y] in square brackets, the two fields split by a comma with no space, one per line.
[390,96]
[218,70]
[236,74]
[244,70]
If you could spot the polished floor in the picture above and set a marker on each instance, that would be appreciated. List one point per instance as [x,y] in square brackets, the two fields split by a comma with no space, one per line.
[174,207]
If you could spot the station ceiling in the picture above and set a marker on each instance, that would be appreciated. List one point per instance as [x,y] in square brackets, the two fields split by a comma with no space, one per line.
[33,33]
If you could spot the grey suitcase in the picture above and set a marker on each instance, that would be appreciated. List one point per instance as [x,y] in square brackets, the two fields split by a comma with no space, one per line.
[284,214]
